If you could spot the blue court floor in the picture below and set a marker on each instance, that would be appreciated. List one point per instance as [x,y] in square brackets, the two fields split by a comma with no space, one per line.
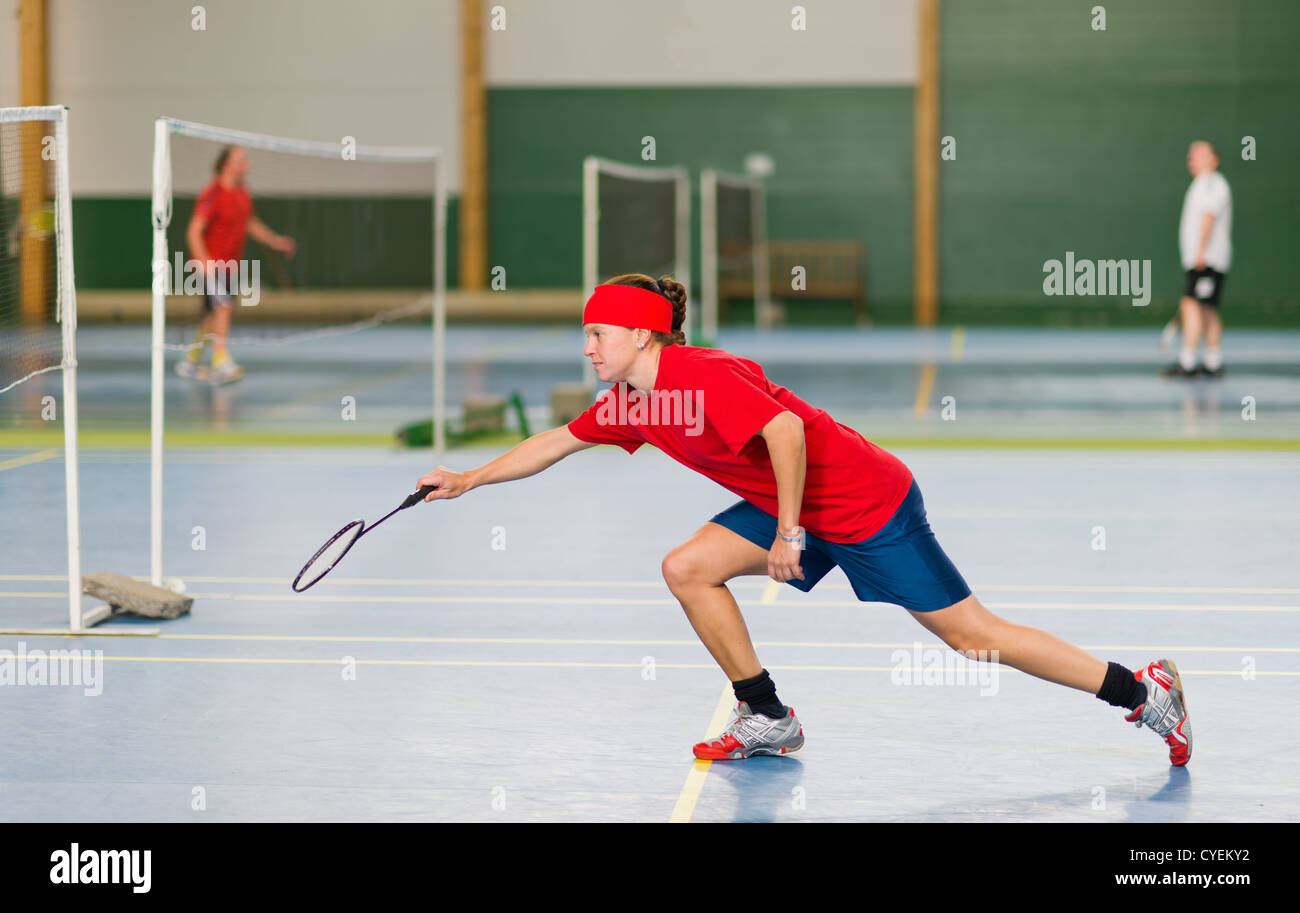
[514,655]
[944,384]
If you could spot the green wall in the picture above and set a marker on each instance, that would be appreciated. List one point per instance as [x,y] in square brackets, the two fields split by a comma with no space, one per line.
[369,242]
[842,155]
[1075,139]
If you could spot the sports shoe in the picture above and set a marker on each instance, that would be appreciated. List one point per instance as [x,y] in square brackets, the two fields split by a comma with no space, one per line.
[193,369]
[226,373]
[750,734]
[1210,372]
[1177,370]
[1165,709]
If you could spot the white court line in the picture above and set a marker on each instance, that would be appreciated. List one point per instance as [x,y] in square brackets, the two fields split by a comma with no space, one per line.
[494,664]
[615,601]
[569,642]
[659,584]
[651,642]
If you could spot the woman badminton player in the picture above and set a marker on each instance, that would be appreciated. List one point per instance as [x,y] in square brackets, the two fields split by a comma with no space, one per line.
[815,494]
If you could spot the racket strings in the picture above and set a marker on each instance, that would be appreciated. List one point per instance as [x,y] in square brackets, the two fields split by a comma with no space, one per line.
[329,555]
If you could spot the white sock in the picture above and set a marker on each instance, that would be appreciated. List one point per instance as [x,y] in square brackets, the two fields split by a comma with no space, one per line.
[1213,358]
[1187,358]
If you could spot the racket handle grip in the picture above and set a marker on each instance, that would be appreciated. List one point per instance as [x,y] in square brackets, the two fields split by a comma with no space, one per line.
[418,496]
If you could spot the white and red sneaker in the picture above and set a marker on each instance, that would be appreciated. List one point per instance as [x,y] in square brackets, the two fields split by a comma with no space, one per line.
[750,734]
[1165,709]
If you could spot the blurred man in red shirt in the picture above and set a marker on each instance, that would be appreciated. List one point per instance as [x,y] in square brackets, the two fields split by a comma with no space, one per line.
[223,214]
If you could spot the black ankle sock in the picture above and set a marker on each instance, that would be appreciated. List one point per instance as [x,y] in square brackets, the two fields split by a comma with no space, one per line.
[1121,689]
[759,693]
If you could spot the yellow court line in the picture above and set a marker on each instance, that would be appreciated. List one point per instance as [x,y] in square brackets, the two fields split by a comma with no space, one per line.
[690,794]
[770,592]
[958,342]
[29,458]
[659,584]
[924,388]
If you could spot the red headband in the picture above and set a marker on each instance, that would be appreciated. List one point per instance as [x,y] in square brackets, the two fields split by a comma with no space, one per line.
[629,306]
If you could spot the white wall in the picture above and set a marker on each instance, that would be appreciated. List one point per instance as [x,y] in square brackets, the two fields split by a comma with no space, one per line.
[386,71]
[383,71]
[745,42]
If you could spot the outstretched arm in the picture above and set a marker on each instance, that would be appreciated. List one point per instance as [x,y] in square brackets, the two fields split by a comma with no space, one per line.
[263,235]
[524,459]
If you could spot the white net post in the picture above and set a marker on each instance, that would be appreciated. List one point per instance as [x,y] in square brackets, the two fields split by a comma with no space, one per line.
[440,309]
[161,272]
[66,314]
[709,253]
[590,240]
[67,311]
[682,273]
[762,282]
[710,263]
[165,128]
[593,210]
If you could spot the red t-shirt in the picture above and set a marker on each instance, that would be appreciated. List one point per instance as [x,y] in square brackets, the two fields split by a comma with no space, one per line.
[227,210]
[706,410]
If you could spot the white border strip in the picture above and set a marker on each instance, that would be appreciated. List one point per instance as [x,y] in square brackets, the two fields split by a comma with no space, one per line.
[638,172]
[296,146]
[40,112]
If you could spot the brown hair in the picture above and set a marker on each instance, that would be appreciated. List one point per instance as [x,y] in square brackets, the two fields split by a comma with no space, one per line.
[671,289]
[222,157]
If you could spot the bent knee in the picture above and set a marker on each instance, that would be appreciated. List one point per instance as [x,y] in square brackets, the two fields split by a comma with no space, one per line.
[683,568]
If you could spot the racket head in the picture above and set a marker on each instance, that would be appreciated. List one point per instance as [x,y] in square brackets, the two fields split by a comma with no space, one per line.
[328,555]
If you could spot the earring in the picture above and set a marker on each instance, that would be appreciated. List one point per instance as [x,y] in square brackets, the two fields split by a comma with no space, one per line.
[641,346]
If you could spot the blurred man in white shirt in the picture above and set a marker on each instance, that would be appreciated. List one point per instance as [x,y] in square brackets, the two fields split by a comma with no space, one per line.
[1205,244]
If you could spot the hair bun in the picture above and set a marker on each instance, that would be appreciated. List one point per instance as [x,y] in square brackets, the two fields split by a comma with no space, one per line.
[673,290]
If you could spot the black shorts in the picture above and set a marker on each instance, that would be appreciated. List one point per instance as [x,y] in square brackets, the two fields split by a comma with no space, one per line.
[1205,285]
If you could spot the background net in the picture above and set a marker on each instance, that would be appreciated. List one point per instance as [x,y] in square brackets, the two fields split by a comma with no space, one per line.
[638,226]
[29,335]
[364,234]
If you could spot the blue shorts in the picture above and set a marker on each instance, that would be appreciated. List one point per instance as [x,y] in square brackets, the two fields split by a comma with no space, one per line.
[901,564]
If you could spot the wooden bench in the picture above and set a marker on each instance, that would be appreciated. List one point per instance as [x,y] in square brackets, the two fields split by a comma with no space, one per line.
[833,270]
